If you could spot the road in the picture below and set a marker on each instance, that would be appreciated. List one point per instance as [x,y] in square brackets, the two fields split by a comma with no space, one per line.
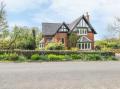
[60,75]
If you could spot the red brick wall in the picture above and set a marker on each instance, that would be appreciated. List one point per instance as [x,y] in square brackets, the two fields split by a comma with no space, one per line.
[91,37]
[57,38]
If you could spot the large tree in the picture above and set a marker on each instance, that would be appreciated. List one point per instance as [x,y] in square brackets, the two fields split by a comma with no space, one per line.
[114,28]
[3,21]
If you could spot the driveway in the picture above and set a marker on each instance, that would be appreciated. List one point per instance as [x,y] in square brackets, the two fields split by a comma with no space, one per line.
[60,75]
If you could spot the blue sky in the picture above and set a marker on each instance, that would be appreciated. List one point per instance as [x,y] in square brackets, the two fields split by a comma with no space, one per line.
[33,12]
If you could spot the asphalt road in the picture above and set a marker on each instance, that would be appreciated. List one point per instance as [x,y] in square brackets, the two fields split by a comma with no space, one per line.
[60,75]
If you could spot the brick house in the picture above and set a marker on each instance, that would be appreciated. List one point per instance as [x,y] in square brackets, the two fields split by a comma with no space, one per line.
[59,32]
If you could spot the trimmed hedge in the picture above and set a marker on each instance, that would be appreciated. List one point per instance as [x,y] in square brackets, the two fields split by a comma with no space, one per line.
[32,55]
[28,53]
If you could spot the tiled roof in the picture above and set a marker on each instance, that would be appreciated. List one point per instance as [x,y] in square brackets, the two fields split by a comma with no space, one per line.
[84,39]
[52,28]
[42,41]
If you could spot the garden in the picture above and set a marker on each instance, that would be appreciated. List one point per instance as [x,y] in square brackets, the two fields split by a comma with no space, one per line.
[55,56]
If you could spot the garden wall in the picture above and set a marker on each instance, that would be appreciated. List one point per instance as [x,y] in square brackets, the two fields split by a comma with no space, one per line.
[62,52]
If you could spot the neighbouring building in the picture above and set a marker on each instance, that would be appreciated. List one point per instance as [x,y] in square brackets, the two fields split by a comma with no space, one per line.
[60,32]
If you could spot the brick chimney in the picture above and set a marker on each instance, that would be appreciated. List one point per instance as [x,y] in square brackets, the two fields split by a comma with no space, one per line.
[87,16]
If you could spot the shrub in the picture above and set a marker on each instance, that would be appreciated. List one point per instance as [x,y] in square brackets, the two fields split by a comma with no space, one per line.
[76,56]
[67,58]
[13,57]
[4,56]
[93,57]
[111,58]
[75,49]
[22,58]
[53,57]
[35,57]
[44,58]
[54,46]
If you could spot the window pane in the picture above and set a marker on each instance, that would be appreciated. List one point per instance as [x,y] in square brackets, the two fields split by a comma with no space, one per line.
[85,45]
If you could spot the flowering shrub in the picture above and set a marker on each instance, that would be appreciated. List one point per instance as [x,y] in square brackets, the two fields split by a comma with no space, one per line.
[54,46]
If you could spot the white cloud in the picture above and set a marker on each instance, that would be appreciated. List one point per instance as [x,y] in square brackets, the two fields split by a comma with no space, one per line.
[18,23]
[70,8]
[22,5]
[101,12]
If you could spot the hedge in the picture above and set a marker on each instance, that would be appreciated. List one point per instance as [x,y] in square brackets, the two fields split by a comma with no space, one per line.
[28,53]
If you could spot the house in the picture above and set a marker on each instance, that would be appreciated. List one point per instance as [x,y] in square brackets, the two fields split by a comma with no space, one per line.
[60,32]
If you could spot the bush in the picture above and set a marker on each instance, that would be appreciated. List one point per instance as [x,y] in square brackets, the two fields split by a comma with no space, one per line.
[54,46]
[22,58]
[35,57]
[76,56]
[111,58]
[75,49]
[53,57]
[67,58]
[93,57]
[13,57]
[44,58]
[4,56]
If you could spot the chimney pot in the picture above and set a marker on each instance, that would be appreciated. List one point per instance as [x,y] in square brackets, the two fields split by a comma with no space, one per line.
[87,16]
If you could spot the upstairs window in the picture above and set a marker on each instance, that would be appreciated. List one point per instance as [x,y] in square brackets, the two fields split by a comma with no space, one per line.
[62,40]
[49,40]
[63,29]
[82,31]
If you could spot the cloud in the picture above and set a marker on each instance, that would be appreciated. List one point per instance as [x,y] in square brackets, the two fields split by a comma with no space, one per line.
[102,12]
[19,23]
[23,5]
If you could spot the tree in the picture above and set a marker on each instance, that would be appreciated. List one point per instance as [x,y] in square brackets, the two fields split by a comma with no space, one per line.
[23,38]
[115,27]
[34,37]
[3,21]
[73,40]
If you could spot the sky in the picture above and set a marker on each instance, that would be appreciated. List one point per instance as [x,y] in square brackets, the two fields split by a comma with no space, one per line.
[33,12]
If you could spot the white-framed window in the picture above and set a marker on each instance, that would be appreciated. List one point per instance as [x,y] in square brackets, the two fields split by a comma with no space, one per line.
[82,31]
[63,29]
[84,46]
[41,45]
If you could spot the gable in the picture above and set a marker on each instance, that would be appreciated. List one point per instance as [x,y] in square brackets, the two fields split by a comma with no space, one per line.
[52,28]
[84,39]
[82,22]
[63,28]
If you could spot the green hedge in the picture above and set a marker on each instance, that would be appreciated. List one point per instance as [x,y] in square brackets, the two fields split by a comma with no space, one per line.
[56,57]
[32,55]
[28,53]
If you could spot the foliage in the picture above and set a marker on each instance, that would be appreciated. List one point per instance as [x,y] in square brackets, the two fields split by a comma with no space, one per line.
[93,57]
[76,56]
[44,57]
[22,58]
[3,21]
[108,44]
[13,57]
[35,57]
[23,38]
[75,49]
[73,40]
[54,46]
[53,57]
[68,58]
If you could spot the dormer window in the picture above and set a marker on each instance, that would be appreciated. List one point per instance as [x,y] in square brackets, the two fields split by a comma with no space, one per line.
[63,29]
[82,31]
